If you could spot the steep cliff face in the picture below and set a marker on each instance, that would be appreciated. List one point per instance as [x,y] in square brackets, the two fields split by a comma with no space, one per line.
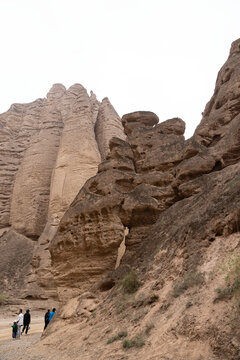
[18,126]
[78,155]
[48,150]
[180,202]
[30,196]
[108,125]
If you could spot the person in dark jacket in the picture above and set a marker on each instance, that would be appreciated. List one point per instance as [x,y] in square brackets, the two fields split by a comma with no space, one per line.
[46,318]
[26,321]
[14,330]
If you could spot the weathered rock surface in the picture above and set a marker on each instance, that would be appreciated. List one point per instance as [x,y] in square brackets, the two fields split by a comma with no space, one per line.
[78,155]
[108,125]
[179,204]
[48,149]
[15,258]
[18,126]
[180,201]
[40,283]
[30,197]
[143,178]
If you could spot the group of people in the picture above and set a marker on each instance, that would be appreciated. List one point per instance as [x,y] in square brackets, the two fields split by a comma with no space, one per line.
[24,320]
[48,317]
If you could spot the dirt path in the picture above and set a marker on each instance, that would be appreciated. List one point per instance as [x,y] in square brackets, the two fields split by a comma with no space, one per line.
[13,349]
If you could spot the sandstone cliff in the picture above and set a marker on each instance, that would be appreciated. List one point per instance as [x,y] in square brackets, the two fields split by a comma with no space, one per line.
[180,202]
[48,149]
[175,205]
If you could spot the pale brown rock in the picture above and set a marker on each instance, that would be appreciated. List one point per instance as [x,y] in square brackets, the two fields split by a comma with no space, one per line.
[108,203]
[78,156]
[48,149]
[224,104]
[175,204]
[40,282]
[15,258]
[18,126]
[153,171]
[30,197]
[138,119]
[108,125]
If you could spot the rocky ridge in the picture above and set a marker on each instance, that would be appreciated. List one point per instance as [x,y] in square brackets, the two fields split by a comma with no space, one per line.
[179,200]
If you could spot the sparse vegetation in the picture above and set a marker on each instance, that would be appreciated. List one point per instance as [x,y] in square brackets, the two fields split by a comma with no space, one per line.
[120,307]
[140,314]
[119,336]
[223,294]
[145,299]
[189,304]
[231,269]
[94,314]
[2,299]
[148,328]
[130,283]
[190,280]
[136,341]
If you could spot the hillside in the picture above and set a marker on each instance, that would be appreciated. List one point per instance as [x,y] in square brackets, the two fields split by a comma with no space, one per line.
[146,259]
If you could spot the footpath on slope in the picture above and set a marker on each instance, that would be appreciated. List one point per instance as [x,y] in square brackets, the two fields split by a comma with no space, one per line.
[13,349]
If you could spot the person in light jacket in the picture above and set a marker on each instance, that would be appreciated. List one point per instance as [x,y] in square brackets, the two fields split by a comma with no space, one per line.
[19,322]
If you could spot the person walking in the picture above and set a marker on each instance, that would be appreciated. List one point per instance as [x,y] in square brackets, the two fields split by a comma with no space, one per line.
[46,319]
[26,321]
[19,322]
[51,314]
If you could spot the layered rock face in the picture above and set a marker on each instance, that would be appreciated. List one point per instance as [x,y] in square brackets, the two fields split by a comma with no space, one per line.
[78,155]
[18,126]
[48,150]
[15,259]
[108,125]
[144,183]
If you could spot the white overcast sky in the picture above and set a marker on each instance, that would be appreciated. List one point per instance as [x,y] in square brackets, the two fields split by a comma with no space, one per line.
[157,55]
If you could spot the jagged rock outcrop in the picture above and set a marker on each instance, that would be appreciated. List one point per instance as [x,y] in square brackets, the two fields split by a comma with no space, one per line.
[48,150]
[108,125]
[143,178]
[180,202]
[223,107]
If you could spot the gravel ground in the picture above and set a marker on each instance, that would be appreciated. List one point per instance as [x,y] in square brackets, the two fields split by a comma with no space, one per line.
[14,349]
[11,349]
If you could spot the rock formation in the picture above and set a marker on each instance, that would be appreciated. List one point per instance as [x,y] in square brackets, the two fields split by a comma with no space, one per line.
[78,155]
[48,149]
[176,197]
[178,201]
[108,125]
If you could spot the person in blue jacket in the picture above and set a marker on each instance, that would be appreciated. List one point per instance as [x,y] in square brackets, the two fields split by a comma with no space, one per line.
[51,314]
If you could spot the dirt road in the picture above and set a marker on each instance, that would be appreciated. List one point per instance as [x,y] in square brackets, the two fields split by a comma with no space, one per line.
[12,348]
